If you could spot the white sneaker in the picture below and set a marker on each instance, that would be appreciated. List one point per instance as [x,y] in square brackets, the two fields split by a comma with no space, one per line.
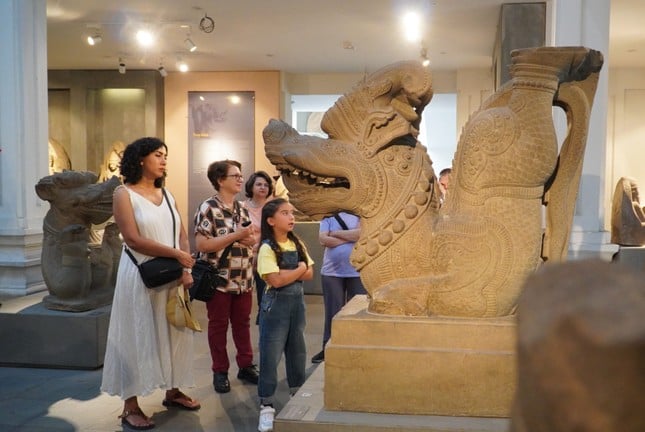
[266,418]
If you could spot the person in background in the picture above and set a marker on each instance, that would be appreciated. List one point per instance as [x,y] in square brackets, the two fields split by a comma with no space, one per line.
[259,190]
[340,280]
[283,261]
[222,227]
[144,351]
[444,181]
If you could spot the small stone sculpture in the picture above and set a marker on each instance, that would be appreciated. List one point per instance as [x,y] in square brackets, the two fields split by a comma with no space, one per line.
[112,161]
[627,215]
[79,277]
[470,256]
[58,159]
[581,339]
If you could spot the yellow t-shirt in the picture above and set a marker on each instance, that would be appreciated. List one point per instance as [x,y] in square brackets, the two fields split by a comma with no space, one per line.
[267,261]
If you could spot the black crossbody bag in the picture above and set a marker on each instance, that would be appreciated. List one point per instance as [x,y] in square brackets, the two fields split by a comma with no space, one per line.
[161,270]
[206,277]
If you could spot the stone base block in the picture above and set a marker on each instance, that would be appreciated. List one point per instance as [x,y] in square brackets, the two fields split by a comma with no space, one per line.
[427,366]
[631,256]
[32,335]
[305,412]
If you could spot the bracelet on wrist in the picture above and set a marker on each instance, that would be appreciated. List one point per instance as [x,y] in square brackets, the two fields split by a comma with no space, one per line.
[188,270]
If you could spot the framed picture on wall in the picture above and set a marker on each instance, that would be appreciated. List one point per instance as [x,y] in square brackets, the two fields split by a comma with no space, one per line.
[221,125]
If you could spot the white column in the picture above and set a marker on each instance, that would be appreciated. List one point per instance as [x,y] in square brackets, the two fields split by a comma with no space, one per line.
[586,23]
[23,143]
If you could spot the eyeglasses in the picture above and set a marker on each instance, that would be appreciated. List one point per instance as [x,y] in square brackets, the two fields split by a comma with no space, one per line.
[237,176]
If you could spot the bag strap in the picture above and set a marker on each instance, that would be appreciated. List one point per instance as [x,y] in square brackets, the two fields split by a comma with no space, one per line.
[341,221]
[172,214]
[163,190]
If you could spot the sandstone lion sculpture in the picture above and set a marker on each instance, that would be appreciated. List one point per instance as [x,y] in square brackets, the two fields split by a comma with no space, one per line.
[79,275]
[627,215]
[470,256]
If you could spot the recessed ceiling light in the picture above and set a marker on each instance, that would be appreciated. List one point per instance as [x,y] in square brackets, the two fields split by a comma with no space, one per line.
[145,38]
[411,22]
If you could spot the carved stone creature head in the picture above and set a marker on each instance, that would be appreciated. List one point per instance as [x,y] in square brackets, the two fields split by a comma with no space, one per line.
[372,130]
[76,198]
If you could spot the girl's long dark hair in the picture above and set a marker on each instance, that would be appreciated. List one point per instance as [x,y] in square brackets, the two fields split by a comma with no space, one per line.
[267,235]
[131,168]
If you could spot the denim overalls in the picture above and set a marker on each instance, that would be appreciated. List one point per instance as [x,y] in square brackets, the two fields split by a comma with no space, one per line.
[282,326]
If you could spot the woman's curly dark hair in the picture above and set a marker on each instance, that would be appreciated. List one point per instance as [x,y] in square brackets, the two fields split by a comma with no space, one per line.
[248,187]
[131,168]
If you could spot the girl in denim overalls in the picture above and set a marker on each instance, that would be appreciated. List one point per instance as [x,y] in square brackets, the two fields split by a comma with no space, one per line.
[284,263]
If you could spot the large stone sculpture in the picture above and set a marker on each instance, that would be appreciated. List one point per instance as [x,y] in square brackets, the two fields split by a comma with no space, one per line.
[470,256]
[627,215]
[79,275]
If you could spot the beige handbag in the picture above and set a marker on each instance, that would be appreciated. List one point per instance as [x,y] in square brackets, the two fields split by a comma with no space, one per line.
[178,310]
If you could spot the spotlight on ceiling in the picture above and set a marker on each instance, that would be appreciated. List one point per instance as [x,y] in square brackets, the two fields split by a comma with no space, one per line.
[94,39]
[182,66]
[162,71]
[145,38]
[121,66]
[190,45]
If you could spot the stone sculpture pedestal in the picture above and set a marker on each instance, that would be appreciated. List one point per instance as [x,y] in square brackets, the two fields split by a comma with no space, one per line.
[631,256]
[426,366]
[32,335]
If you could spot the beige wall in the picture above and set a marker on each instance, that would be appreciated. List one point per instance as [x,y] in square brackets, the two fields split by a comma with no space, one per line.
[266,86]
[625,131]
[86,117]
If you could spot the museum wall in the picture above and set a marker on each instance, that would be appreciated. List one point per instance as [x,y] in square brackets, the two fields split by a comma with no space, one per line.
[625,131]
[472,87]
[91,110]
[266,86]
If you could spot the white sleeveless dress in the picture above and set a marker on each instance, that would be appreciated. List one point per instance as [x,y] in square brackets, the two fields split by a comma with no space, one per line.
[144,352]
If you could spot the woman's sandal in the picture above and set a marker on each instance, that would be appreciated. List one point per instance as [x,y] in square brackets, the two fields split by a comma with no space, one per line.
[180,400]
[136,412]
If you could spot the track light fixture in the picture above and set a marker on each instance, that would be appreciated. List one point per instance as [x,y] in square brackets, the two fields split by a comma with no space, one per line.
[190,45]
[121,66]
[162,71]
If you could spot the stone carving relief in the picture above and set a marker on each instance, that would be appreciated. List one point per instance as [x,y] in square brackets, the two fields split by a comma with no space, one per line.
[112,162]
[79,275]
[58,159]
[627,215]
[470,256]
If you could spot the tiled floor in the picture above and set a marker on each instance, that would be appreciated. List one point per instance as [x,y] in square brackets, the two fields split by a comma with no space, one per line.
[56,400]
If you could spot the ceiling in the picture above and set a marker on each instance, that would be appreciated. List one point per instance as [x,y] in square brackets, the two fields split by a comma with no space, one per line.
[296,36]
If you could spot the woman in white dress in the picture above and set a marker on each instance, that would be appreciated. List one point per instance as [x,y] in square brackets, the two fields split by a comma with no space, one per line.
[144,351]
